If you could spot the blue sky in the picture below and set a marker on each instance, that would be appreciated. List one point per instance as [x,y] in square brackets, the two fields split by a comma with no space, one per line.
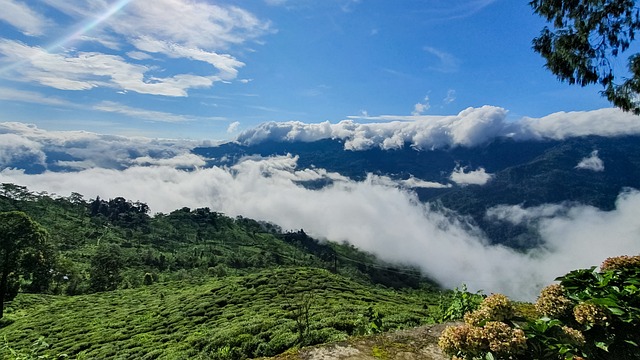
[204,69]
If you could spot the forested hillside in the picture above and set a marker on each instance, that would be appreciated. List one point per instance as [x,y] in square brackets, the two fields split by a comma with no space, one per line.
[111,279]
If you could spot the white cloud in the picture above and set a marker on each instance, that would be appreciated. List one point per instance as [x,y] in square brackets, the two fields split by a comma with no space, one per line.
[474,177]
[87,70]
[420,108]
[192,30]
[516,214]
[413,182]
[179,161]
[15,148]
[377,214]
[233,127]
[226,64]
[471,127]
[110,106]
[370,214]
[593,163]
[20,16]
[139,55]
[9,94]
[87,149]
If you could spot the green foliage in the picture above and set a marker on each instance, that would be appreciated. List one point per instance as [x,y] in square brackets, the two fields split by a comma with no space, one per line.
[461,302]
[22,252]
[590,314]
[370,322]
[587,35]
[106,267]
[194,283]
[235,317]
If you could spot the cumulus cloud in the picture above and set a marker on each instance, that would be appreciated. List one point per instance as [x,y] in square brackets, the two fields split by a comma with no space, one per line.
[593,163]
[385,219]
[460,176]
[420,108]
[471,127]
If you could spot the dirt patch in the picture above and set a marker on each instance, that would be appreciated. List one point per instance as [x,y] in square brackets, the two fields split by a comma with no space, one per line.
[420,343]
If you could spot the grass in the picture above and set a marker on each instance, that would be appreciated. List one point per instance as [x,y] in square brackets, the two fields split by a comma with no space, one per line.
[216,318]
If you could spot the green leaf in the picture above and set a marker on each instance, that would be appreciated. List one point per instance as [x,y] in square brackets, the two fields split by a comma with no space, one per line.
[631,342]
[489,356]
[616,311]
[602,345]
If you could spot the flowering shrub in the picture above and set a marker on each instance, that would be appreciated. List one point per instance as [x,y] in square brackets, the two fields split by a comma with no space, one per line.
[496,307]
[504,340]
[589,315]
[552,302]
[621,263]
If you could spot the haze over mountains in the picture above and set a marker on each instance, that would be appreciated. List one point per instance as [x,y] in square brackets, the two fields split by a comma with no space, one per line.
[499,204]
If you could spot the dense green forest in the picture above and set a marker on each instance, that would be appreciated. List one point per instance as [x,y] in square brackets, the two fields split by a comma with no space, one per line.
[111,280]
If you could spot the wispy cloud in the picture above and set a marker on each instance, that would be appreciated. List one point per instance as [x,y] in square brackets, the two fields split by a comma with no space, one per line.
[20,16]
[8,94]
[88,70]
[451,97]
[456,9]
[446,62]
[144,114]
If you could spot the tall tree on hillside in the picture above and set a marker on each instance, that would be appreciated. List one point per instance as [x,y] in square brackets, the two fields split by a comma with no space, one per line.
[585,37]
[106,267]
[21,244]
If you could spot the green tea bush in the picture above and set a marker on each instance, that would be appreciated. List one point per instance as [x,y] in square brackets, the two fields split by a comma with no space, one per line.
[589,314]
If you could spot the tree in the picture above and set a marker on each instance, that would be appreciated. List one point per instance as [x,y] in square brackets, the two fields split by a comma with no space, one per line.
[106,266]
[587,35]
[22,241]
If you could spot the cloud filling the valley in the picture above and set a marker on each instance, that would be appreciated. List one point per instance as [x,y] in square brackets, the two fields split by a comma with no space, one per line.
[377,214]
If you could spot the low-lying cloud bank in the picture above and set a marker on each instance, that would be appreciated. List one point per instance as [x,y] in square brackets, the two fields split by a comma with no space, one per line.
[373,215]
[471,127]
[21,142]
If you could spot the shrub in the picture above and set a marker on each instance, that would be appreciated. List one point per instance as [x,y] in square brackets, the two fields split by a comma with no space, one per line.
[552,302]
[589,315]
[462,302]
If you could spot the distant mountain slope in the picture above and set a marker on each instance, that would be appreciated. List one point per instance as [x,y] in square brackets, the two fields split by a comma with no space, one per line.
[527,173]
